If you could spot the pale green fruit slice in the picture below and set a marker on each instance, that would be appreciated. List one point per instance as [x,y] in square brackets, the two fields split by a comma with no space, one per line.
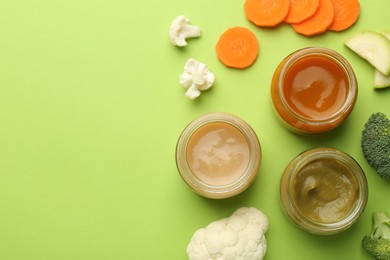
[385,33]
[380,80]
[372,46]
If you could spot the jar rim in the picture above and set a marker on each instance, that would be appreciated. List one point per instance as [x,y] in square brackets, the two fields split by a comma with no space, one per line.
[219,191]
[298,217]
[342,64]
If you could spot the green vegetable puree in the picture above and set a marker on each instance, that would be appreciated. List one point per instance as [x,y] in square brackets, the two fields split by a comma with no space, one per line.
[325,190]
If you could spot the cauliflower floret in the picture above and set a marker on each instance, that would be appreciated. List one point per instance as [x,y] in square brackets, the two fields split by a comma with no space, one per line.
[196,77]
[180,30]
[238,237]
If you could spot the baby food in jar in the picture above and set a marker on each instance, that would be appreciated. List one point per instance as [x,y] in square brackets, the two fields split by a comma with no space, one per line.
[313,90]
[218,155]
[323,191]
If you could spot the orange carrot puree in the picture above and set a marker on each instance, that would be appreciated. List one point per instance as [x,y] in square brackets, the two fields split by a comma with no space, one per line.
[315,87]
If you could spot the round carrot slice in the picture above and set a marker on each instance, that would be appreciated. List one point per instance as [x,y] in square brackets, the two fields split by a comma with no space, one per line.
[237,48]
[346,14]
[266,12]
[319,22]
[301,10]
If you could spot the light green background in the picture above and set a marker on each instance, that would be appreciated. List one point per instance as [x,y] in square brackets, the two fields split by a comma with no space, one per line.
[91,109]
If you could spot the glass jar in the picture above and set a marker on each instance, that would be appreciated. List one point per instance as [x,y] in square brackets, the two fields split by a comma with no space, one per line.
[323,191]
[313,90]
[218,155]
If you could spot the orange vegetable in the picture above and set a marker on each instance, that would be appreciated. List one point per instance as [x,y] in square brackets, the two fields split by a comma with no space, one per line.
[266,12]
[301,10]
[237,48]
[319,22]
[346,14]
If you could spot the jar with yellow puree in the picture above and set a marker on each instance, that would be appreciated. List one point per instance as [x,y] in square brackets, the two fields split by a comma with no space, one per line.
[218,155]
[323,191]
[313,90]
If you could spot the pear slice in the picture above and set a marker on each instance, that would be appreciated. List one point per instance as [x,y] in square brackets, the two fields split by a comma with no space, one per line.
[372,46]
[380,80]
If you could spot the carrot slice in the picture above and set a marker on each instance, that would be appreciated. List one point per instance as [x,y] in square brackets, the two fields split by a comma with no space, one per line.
[319,22]
[346,14]
[301,10]
[267,13]
[237,48]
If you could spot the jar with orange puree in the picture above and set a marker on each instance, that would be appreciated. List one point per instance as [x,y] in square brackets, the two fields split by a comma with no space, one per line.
[313,90]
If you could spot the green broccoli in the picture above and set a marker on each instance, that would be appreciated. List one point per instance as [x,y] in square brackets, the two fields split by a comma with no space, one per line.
[377,243]
[376,144]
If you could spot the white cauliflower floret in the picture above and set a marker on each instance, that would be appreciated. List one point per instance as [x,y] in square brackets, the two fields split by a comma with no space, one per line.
[196,77]
[180,30]
[238,237]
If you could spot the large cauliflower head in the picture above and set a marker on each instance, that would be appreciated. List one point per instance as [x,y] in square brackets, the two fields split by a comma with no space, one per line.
[241,236]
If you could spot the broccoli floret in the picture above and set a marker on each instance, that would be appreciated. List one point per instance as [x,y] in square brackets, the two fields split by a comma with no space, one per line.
[377,243]
[376,144]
